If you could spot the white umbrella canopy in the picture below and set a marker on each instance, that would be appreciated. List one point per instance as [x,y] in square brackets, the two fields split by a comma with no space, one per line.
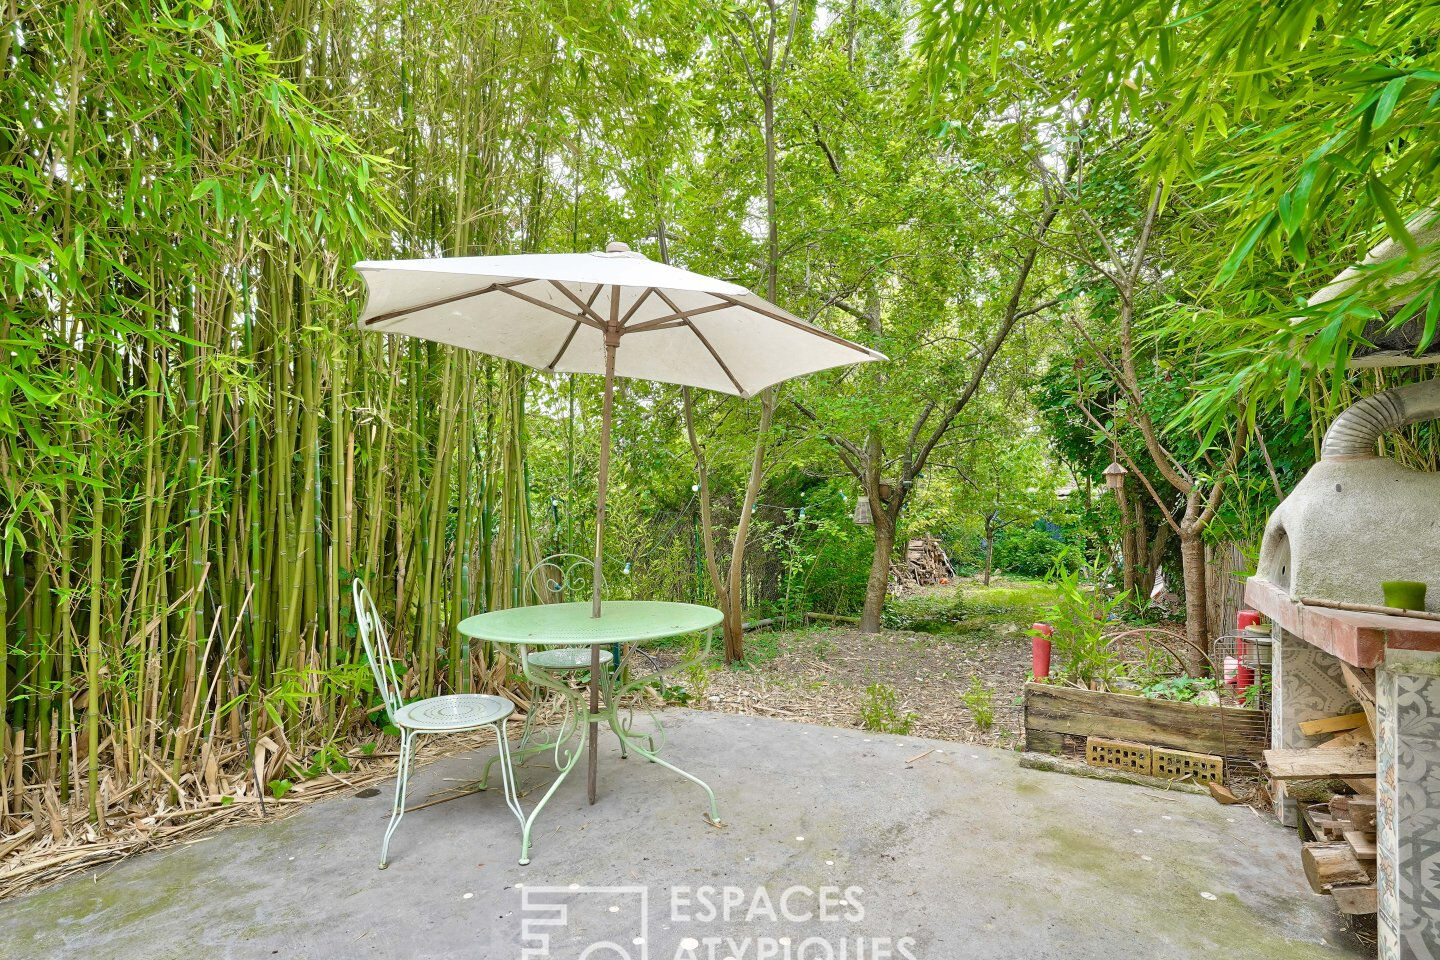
[553,311]
[616,313]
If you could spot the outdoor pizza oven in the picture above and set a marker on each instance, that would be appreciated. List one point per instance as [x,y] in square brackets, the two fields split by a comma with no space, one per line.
[1358,519]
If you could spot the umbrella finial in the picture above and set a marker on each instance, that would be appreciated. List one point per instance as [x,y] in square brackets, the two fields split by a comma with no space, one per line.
[617,246]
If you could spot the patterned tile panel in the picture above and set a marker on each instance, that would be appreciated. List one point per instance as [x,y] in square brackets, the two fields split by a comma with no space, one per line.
[1307,685]
[1408,809]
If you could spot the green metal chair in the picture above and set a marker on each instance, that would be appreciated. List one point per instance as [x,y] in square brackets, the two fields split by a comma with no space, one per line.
[453,713]
[553,580]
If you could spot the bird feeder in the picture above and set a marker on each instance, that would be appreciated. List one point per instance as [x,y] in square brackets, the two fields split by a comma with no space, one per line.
[1115,476]
[862,511]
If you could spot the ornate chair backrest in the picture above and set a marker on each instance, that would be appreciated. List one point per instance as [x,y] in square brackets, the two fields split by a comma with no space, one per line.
[377,648]
[560,577]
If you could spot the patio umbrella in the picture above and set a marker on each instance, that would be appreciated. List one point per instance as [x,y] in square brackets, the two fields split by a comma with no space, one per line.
[617,314]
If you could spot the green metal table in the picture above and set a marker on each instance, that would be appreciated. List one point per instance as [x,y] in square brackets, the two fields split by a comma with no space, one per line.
[621,623]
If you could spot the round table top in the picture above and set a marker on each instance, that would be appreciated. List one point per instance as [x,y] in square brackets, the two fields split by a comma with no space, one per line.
[570,624]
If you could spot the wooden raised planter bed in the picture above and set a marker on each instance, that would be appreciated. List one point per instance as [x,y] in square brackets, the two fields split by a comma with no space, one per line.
[1053,712]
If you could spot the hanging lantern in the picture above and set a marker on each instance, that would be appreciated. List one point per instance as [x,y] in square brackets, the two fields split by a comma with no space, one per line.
[1115,476]
[862,511]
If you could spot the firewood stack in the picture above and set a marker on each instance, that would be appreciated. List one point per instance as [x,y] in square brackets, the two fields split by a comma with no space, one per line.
[1341,860]
[1338,835]
[925,564]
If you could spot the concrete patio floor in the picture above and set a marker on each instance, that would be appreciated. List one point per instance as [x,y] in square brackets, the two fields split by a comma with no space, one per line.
[959,855]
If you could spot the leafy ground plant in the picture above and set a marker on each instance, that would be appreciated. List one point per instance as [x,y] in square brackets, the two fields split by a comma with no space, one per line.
[980,701]
[1184,689]
[880,711]
[1079,614]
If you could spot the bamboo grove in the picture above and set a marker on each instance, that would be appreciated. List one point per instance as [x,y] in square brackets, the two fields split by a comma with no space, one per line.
[198,450]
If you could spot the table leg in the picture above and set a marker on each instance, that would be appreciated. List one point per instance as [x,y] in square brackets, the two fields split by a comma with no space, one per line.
[529,824]
[565,759]
[594,725]
[651,751]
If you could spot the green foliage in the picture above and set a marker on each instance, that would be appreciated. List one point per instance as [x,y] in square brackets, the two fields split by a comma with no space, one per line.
[1185,689]
[937,612]
[1256,695]
[1081,653]
[328,759]
[198,450]
[980,701]
[880,711]
[1290,138]
[1034,551]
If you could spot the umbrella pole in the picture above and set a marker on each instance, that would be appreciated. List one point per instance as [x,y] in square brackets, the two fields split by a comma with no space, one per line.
[612,341]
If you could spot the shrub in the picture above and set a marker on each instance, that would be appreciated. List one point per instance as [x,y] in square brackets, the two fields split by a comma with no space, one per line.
[880,711]
[925,613]
[980,701]
[1032,552]
[1078,616]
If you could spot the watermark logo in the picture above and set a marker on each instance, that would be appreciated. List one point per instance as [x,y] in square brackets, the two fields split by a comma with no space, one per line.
[563,923]
[706,923]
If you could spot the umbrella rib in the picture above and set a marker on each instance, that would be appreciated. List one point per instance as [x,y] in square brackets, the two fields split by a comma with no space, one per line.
[793,322]
[584,307]
[488,288]
[564,346]
[551,307]
[662,323]
[635,306]
[702,338]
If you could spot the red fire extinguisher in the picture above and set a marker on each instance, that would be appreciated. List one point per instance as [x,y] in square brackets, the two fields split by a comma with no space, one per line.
[1040,634]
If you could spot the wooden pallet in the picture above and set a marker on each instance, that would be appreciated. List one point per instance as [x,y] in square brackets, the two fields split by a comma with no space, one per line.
[1052,711]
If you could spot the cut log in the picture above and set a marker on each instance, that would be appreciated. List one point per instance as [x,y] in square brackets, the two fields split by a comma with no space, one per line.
[1331,864]
[1355,899]
[1362,813]
[1361,785]
[830,617]
[1349,738]
[1361,844]
[1319,763]
[1348,721]
[1361,684]
[925,564]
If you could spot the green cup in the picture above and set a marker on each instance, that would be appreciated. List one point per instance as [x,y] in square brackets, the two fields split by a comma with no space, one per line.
[1404,594]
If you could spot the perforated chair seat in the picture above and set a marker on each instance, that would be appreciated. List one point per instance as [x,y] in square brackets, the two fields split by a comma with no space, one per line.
[461,711]
[573,658]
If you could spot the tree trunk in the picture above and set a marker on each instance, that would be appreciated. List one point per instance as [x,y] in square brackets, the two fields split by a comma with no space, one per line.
[733,626]
[729,584]
[1192,558]
[1128,543]
[1224,588]
[1146,581]
[879,570]
[989,553]
[735,587]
